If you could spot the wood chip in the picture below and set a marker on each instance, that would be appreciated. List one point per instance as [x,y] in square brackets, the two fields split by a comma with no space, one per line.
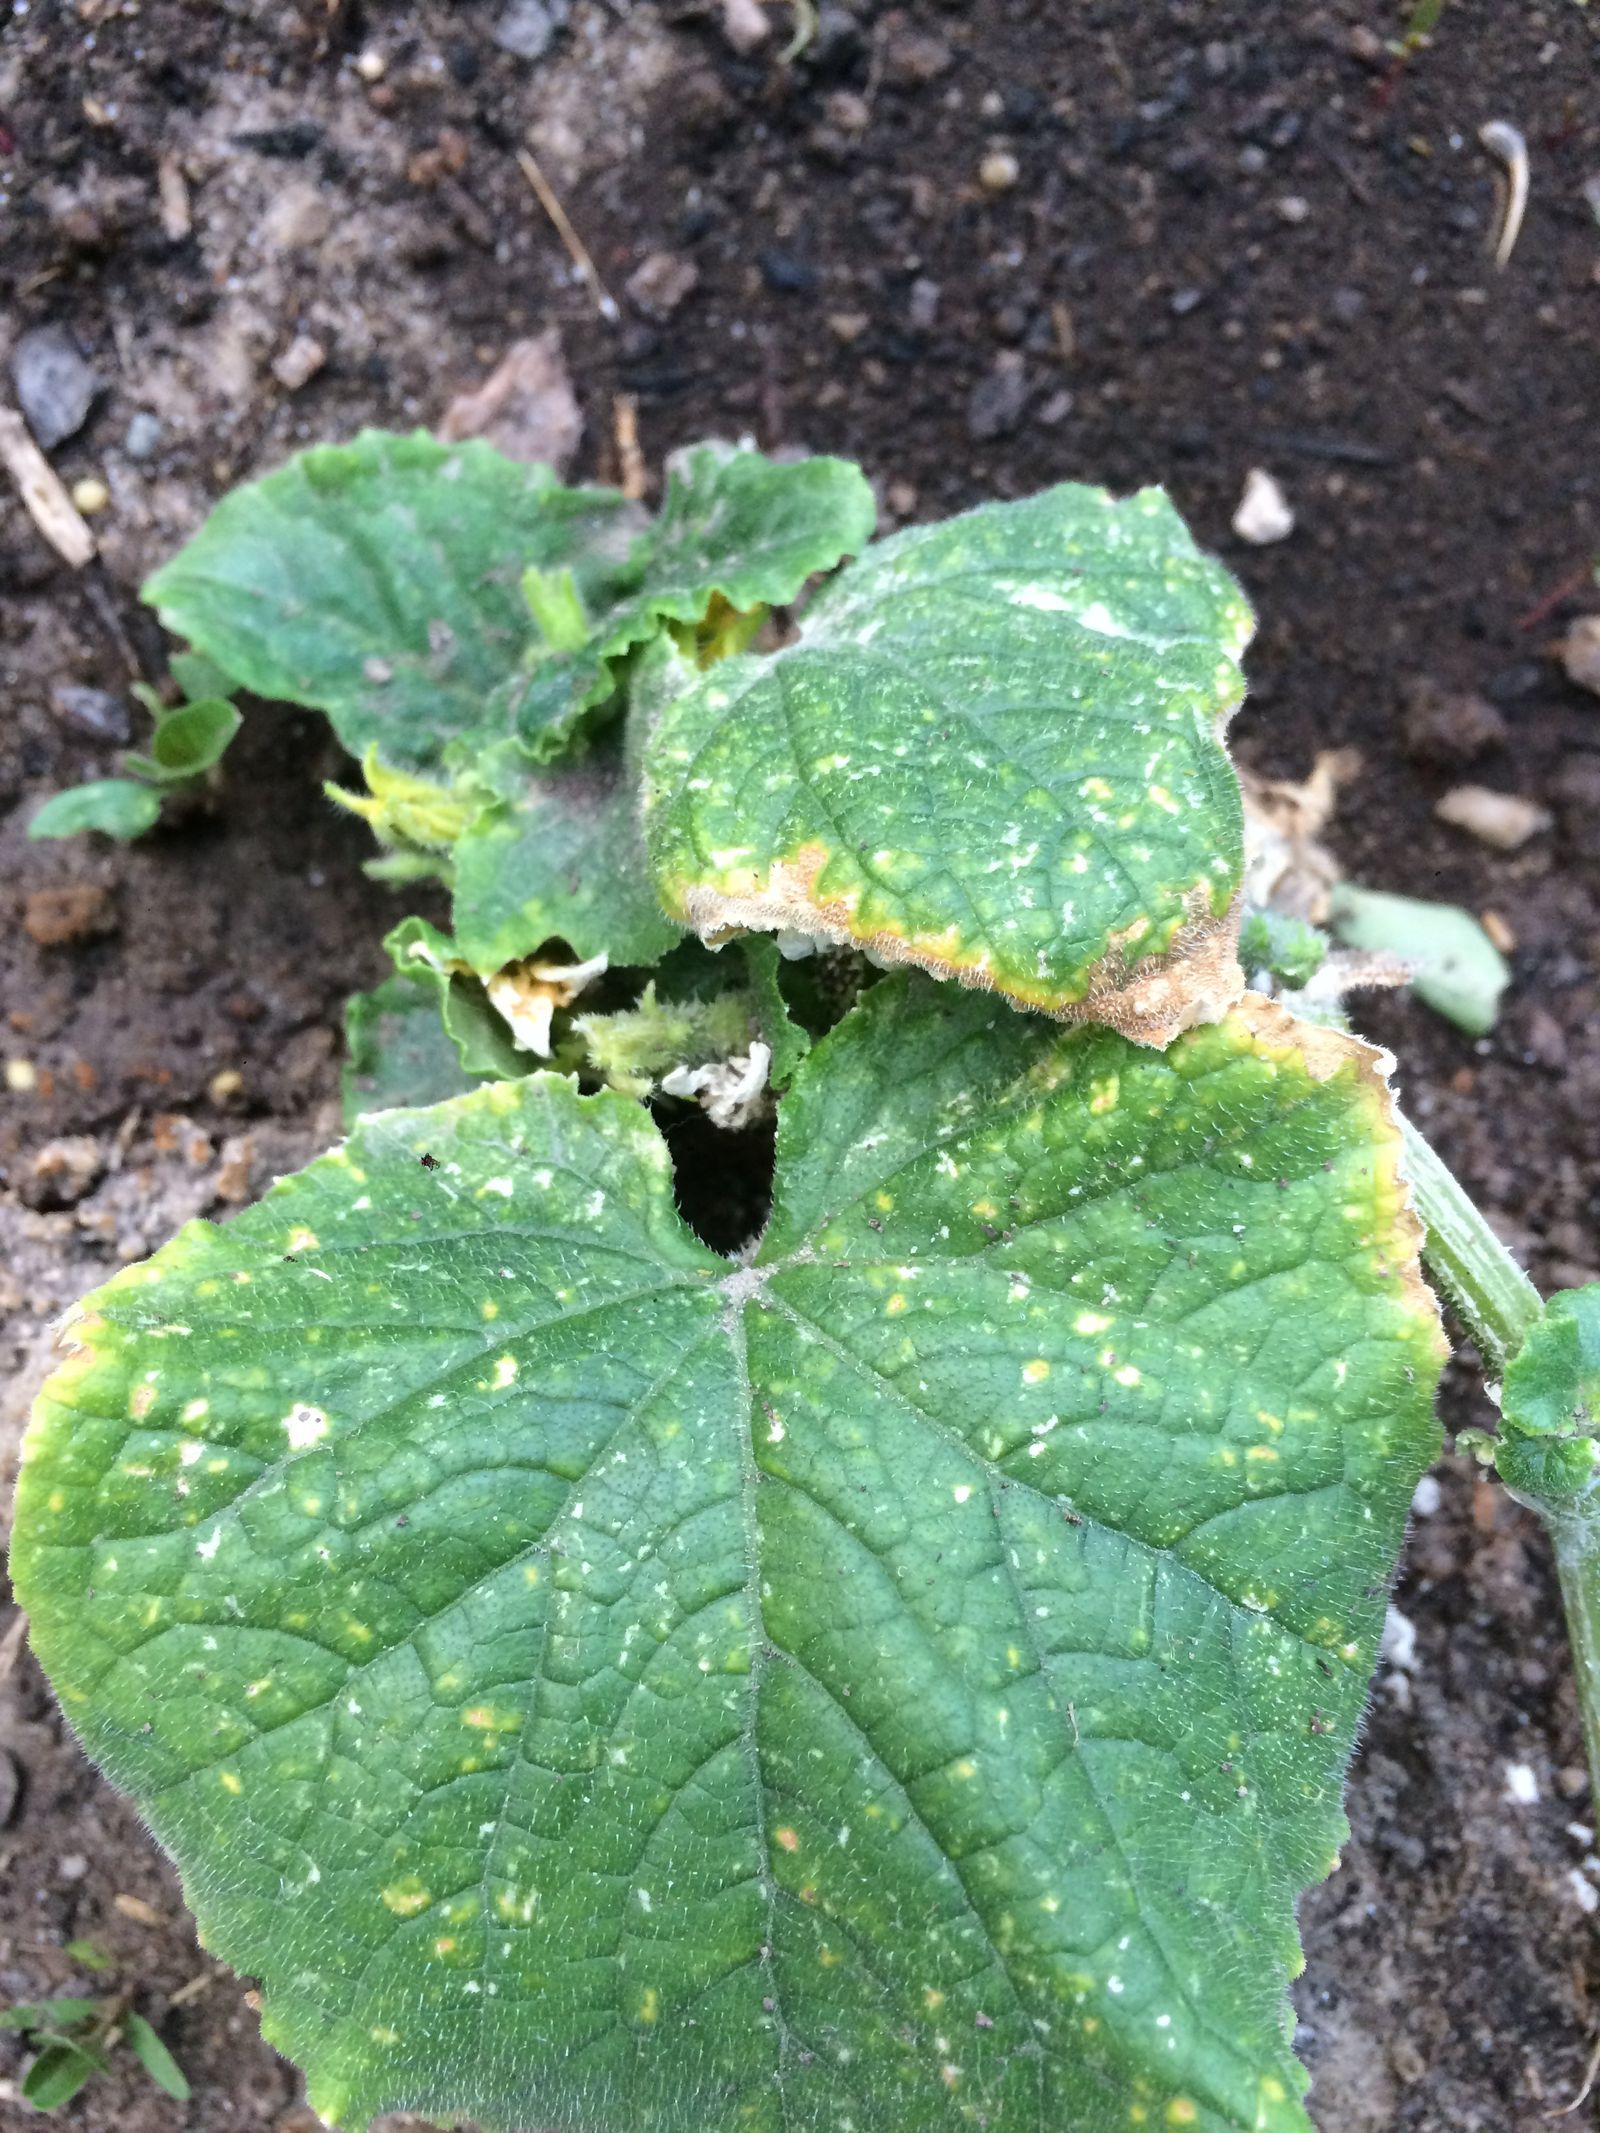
[172,196]
[625,428]
[191,1991]
[46,501]
[135,1907]
[1498,931]
[1503,819]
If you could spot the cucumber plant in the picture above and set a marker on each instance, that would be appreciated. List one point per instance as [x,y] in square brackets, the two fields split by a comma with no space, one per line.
[893,1668]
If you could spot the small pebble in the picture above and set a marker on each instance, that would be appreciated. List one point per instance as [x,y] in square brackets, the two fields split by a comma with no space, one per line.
[1580,652]
[527,28]
[1427,1496]
[94,713]
[90,495]
[1522,1785]
[55,386]
[71,1866]
[143,435]
[1584,1890]
[1263,514]
[783,272]
[1292,208]
[371,65]
[999,171]
[299,362]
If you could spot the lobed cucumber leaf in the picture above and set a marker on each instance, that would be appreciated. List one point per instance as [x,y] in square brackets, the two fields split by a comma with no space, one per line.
[994,751]
[398,1050]
[381,582]
[557,854]
[424,594]
[904,1679]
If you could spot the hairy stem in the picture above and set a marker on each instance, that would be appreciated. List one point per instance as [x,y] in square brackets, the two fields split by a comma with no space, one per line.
[1499,1305]
[1577,1551]
[1496,1300]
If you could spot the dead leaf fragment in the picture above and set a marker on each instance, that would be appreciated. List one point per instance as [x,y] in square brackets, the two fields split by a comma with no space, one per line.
[1287,866]
[1503,819]
[525,408]
[730,1090]
[527,995]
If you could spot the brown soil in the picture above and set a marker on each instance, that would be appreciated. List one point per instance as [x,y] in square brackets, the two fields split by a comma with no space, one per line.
[1231,242]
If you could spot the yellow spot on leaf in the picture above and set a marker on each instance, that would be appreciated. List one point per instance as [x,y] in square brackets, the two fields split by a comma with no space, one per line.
[1036,1372]
[407,1898]
[649,2004]
[787,1838]
[230,1781]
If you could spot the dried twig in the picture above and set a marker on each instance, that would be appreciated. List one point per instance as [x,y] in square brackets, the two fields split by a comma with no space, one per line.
[1589,2073]
[1503,140]
[48,504]
[605,302]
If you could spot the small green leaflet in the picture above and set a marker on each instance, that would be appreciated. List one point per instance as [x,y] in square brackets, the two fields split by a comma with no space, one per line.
[117,807]
[57,2074]
[187,741]
[394,582]
[1547,1447]
[906,1678]
[994,751]
[156,2060]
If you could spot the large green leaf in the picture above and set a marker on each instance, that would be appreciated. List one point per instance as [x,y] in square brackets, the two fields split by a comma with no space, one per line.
[903,1681]
[994,751]
[394,582]
[381,582]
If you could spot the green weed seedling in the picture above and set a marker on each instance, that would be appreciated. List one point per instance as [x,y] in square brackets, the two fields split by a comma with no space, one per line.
[188,740]
[73,2039]
[895,1674]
